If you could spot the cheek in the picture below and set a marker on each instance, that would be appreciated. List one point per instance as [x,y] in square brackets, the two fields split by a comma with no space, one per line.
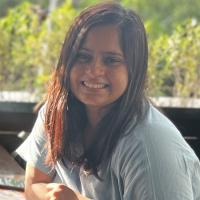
[120,80]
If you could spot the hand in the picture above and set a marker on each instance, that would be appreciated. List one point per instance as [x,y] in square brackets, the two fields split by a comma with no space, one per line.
[56,191]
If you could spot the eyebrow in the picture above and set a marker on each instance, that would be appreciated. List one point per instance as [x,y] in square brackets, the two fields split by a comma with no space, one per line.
[106,52]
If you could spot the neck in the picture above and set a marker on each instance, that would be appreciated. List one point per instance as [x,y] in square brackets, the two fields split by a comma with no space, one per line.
[94,116]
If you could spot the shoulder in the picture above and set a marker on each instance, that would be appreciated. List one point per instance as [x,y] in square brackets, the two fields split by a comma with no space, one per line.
[160,136]
[38,128]
[155,132]
[154,154]
[41,112]
[154,144]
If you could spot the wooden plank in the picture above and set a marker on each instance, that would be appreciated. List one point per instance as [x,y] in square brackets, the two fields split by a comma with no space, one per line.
[11,174]
[17,116]
[11,194]
[15,121]
[16,107]
[9,132]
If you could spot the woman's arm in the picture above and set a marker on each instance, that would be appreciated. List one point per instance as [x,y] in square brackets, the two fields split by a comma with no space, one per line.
[35,183]
[38,186]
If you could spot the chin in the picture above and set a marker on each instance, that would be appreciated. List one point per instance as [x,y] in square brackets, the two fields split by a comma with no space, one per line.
[91,101]
[92,104]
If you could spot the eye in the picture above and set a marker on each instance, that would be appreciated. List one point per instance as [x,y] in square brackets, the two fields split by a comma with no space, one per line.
[83,57]
[111,60]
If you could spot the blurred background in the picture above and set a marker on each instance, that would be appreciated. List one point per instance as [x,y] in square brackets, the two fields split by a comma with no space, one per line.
[31,36]
[32,32]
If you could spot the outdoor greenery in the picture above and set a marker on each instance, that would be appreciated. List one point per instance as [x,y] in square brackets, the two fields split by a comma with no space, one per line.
[174,62]
[31,40]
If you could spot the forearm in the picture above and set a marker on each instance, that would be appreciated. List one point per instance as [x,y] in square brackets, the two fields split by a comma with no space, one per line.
[36,191]
[42,191]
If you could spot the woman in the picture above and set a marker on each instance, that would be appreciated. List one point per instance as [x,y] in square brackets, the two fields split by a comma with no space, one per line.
[97,131]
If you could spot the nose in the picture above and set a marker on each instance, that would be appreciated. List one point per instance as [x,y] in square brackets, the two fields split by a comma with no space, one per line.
[96,68]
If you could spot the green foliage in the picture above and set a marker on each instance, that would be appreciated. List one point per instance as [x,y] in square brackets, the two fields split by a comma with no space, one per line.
[164,15]
[50,41]
[85,3]
[5,5]
[29,47]
[174,64]
[17,28]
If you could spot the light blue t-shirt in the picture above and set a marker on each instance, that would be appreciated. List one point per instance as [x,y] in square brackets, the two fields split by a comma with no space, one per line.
[152,162]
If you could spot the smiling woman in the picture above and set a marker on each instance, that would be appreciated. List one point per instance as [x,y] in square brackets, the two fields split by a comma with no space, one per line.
[99,76]
[98,136]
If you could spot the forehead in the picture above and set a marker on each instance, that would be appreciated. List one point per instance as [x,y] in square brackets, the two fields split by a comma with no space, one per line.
[103,37]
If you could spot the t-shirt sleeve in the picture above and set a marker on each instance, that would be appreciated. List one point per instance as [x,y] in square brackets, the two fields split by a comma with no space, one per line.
[33,149]
[156,167]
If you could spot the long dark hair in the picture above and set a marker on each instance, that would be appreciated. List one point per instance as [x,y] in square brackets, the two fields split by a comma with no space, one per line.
[66,119]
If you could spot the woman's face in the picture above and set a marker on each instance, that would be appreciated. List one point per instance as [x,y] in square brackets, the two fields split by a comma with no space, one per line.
[99,76]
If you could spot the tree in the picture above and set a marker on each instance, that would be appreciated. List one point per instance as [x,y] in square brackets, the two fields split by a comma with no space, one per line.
[17,29]
[164,15]
[29,50]
[174,63]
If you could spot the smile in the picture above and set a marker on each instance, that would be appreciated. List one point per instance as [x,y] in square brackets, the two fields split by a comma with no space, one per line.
[94,86]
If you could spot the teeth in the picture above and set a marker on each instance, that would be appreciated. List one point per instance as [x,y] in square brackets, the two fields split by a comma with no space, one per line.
[96,86]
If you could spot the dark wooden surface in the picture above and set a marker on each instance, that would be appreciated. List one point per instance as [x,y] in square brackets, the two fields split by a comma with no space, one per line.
[11,177]
[187,120]
[6,194]
[15,116]
[10,140]
[11,174]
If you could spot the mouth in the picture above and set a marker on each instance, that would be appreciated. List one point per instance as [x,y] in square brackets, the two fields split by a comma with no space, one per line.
[94,85]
